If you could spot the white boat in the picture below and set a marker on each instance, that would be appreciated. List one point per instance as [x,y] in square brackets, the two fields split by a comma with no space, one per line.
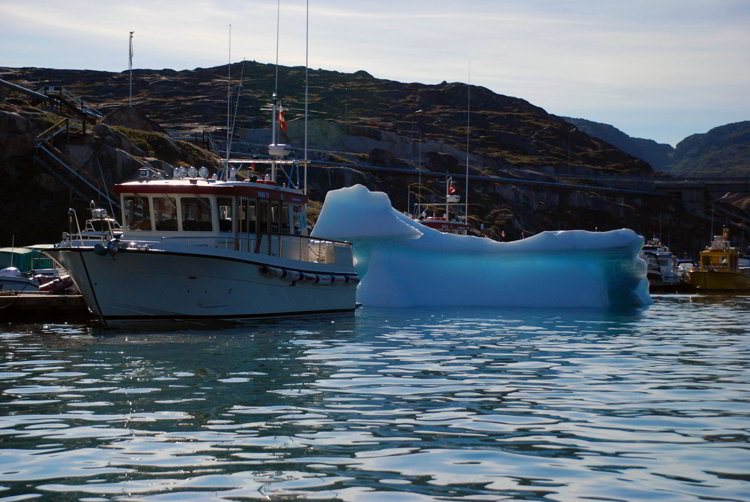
[200,248]
[12,279]
[194,247]
[662,265]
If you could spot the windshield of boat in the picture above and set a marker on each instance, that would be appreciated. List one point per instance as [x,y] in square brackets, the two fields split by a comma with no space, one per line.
[165,213]
[196,213]
[136,214]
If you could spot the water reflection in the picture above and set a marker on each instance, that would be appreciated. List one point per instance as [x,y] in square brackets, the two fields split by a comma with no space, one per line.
[387,405]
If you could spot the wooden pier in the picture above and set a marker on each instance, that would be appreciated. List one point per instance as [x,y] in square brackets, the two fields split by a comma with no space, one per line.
[42,308]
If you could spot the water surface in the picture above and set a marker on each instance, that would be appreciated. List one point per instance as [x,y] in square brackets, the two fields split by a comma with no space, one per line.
[386,405]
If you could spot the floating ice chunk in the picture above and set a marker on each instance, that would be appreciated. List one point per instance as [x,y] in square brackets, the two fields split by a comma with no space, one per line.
[373,216]
[403,263]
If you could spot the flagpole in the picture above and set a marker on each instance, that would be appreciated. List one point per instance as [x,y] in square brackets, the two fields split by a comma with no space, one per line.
[447,194]
[130,68]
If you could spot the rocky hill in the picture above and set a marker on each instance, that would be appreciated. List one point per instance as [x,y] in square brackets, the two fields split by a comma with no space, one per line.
[722,151]
[357,122]
[657,155]
[507,132]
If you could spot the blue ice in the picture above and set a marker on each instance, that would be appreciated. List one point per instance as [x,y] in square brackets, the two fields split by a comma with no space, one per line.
[403,263]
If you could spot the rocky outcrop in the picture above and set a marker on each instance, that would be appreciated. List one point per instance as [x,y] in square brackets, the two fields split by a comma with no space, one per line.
[657,155]
[506,132]
[35,200]
[16,135]
[133,118]
[722,151]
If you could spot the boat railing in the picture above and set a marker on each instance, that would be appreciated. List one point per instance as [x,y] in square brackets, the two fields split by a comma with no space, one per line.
[75,237]
[293,247]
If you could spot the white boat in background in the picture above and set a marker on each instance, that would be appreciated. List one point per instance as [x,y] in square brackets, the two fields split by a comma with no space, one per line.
[662,264]
[192,247]
[12,279]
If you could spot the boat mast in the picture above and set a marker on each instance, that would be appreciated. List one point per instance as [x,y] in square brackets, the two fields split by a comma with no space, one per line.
[236,104]
[275,92]
[229,100]
[468,130]
[307,38]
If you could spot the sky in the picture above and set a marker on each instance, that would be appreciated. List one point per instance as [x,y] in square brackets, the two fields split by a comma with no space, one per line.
[655,69]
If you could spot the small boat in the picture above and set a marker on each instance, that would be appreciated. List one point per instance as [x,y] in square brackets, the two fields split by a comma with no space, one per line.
[662,271]
[12,279]
[719,267]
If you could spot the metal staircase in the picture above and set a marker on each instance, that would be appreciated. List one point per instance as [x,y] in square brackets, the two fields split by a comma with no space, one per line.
[49,157]
[72,102]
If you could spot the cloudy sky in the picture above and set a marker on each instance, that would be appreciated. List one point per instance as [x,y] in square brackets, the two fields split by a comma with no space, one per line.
[657,69]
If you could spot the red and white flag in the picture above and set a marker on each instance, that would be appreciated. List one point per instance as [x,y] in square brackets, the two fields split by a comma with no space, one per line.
[282,120]
[451,188]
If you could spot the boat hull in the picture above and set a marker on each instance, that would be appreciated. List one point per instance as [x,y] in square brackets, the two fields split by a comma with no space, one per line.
[18,284]
[137,285]
[712,280]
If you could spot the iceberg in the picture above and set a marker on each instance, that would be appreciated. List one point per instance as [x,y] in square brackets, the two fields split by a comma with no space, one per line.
[402,263]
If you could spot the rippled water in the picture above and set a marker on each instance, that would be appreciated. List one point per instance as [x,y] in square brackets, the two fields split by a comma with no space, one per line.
[386,405]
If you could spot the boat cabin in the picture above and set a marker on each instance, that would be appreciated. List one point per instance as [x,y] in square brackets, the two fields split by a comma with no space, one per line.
[256,216]
[720,255]
[206,207]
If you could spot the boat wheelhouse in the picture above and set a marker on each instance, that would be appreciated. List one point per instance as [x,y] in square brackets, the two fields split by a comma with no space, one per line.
[203,248]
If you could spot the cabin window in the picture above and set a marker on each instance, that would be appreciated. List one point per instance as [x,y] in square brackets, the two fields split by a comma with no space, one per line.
[297,219]
[285,228]
[247,216]
[225,213]
[263,224]
[196,214]
[275,217]
[136,214]
[165,213]
[303,220]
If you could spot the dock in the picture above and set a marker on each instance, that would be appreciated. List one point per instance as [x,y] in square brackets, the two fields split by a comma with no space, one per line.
[42,308]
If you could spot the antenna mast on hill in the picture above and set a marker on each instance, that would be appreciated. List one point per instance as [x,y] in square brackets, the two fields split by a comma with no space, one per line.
[130,68]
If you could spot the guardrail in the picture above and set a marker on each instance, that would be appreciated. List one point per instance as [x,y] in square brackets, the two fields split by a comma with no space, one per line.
[293,247]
